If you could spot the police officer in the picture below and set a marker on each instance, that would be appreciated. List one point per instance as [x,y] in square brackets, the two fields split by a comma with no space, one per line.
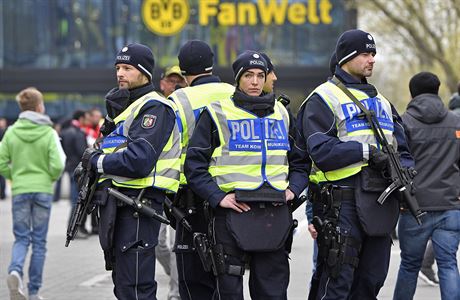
[348,166]
[141,153]
[271,75]
[237,160]
[196,61]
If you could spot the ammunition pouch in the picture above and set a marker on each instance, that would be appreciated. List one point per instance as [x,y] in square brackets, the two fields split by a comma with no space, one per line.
[376,219]
[372,180]
[187,200]
[265,227]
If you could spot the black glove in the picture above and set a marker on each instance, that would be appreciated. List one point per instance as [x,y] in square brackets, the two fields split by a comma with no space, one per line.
[78,172]
[87,157]
[378,160]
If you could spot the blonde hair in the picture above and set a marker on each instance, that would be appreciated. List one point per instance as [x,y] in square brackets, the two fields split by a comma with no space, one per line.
[29,99]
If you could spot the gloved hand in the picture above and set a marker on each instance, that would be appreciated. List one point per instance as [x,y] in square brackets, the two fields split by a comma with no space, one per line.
[378,160]
[88,155]
[78,172]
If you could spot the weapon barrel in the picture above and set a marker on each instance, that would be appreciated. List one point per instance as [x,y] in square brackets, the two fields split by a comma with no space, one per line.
[139,207]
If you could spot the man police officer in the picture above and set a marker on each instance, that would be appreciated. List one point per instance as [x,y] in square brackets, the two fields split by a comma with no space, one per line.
[141,151]
[196,61]
[237,160]
[354,256]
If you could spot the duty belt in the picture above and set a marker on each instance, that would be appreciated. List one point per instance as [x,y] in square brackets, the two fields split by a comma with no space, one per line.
[343,192]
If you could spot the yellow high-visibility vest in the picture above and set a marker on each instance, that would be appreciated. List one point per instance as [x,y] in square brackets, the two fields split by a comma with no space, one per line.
[252,150]
[350,127]
[165,174]
[190,101]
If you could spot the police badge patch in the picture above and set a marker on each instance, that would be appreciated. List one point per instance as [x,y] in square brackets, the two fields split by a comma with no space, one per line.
[148,121]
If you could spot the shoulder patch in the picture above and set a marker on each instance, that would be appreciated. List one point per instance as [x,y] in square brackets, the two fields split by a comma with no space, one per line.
[148,121]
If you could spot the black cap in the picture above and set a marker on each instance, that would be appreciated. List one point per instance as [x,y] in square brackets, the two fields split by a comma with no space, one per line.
[248,60]
[424,83]
[352,43]
[270,66]
[333,63]
[195,57]
[139,56]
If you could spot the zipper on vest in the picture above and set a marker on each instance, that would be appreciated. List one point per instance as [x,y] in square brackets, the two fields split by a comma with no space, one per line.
[264,150]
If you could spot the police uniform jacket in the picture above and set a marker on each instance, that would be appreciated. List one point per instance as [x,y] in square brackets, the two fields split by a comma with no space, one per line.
[144,144]
[318,133]
[205,140]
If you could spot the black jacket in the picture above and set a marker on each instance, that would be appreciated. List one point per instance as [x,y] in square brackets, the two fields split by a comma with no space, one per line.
[433,134]
[74,143]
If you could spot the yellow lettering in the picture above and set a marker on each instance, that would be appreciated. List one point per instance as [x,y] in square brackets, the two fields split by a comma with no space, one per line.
[207,10]
[297,13]
[227,15]
[312,13]
[272,12]
[325,8]
[247,14]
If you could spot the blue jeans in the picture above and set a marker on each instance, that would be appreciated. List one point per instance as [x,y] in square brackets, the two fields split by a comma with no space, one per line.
[31,214]
[444,230]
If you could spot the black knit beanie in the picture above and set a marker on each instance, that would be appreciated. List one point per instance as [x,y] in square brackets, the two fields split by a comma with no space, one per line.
[248,60]
[139,56]
[270,66]
[195,57]
[424,83]
[352,43]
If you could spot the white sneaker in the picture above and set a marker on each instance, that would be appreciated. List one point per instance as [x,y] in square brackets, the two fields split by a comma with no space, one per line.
[36,297]
[14,283]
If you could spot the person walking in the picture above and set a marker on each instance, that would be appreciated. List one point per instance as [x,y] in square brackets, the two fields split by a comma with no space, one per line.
[433,134]
[31,156]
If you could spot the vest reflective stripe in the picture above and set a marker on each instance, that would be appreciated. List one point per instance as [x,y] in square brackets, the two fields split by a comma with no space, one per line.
[190,101]
[263,154]
[351,128]
[165,174]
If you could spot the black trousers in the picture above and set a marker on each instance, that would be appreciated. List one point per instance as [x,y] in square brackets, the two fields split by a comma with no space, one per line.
[269,271]
[135,238]
[194,282]
[365,281]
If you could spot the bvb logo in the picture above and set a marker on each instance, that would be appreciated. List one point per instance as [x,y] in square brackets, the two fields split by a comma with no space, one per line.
[165,17]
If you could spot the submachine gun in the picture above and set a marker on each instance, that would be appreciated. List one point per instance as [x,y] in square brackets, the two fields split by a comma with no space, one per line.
[87,185]
[401,177]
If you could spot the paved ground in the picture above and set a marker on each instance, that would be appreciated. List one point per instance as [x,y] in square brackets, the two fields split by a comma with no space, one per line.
[77,272]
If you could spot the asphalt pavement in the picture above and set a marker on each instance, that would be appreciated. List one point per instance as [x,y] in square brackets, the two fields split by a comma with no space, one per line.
[77,272]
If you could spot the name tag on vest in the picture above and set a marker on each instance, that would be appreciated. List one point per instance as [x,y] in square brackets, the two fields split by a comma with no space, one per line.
[354,123]
[247,134]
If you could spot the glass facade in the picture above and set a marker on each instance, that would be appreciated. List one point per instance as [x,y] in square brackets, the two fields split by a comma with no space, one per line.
[67,48]
[87,33]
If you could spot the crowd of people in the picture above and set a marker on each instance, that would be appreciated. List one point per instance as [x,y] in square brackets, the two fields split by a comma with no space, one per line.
[228,163]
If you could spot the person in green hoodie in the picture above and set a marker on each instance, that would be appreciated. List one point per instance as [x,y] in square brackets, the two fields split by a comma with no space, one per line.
[31,156]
